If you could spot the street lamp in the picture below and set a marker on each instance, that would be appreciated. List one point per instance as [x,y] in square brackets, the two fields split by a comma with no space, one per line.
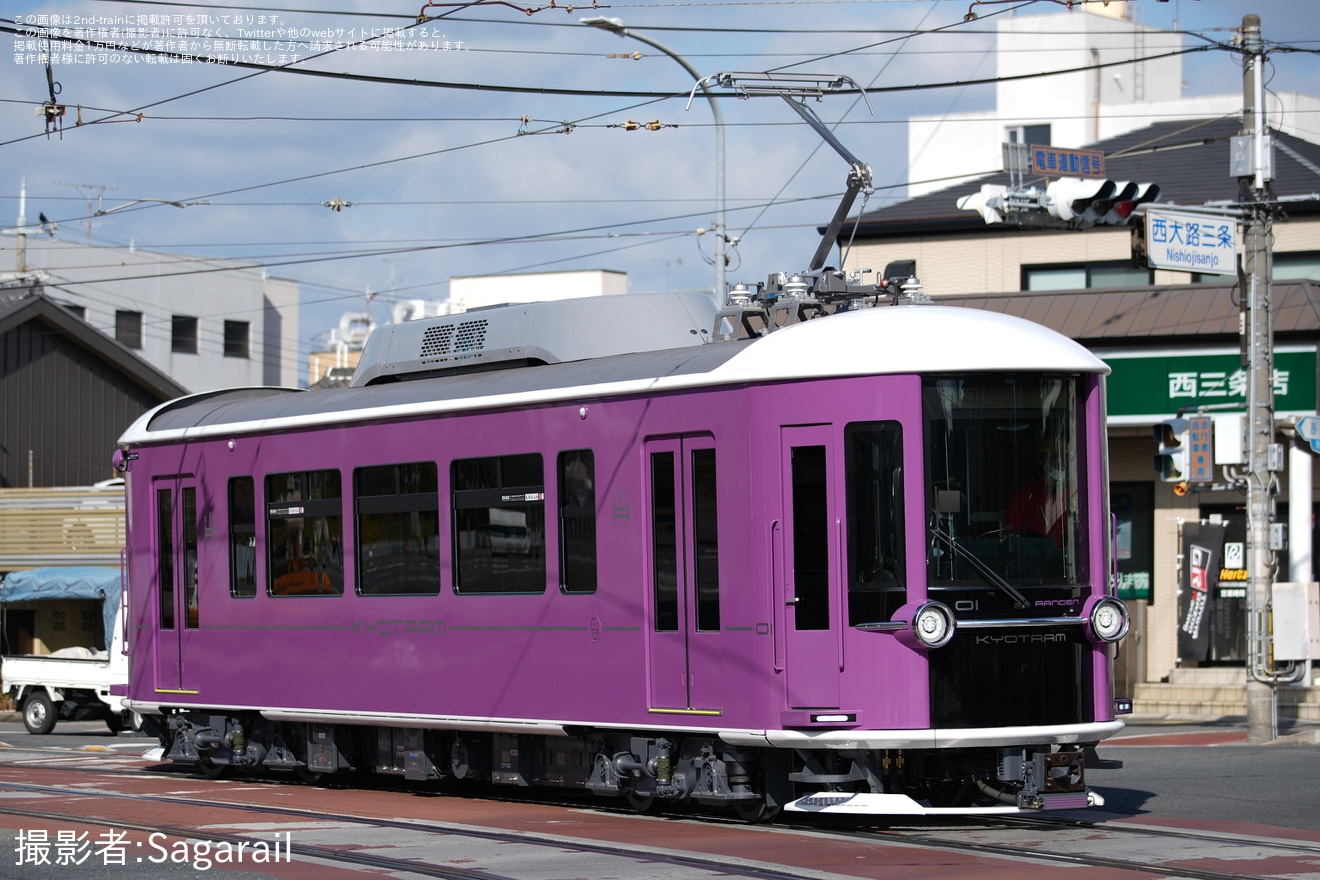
[614,25]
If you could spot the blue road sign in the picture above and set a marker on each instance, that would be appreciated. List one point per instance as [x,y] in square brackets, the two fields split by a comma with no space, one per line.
[1309,429]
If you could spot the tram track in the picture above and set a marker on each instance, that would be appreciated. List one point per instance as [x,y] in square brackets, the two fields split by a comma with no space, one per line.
[1049,841]
[1036,854]
[1212,837]
[559,844]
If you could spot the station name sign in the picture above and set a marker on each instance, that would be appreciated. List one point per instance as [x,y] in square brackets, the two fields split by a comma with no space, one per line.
[1191,242]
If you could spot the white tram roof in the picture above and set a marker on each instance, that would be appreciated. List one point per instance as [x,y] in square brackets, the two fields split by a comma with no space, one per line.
[885,340]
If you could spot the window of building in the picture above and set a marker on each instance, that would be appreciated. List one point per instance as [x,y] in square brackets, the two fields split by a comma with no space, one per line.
[577,521]
[874,481]
[183,334]
[304,533]
[499,524]
[236,339]
[398,529]
[1133,506]
[1286,267]
[1028,134]
[80,312]
[1100,275]
[128,329]
[242,537]
[1294,267]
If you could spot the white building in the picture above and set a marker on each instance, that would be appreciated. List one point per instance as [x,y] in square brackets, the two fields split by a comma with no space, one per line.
[474,292]
[1103,99]
[206,323]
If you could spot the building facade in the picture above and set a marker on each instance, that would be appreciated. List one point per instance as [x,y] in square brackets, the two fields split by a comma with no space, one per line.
[207,323]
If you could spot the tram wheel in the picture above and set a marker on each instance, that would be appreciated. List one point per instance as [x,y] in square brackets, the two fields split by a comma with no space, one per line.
[310,777]
[212,770]
[751,810]
[640,803]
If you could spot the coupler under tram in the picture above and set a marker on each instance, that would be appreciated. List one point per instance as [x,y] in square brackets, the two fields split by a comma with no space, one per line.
[649,770]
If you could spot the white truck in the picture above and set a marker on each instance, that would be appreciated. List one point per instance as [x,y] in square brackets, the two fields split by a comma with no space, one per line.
[77,682]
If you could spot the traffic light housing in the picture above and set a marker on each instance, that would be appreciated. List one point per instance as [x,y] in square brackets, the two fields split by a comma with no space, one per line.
[988,203]
[1070,198]
[1088,201]
[1127,196]
[1171,460]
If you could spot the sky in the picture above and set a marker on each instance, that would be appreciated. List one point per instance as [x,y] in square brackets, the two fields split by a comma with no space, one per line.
[495,137]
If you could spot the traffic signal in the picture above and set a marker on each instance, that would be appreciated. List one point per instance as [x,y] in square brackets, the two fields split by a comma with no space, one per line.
[1127,195]
[987,202]
[1069,198]
[1088,201]
[1171,460]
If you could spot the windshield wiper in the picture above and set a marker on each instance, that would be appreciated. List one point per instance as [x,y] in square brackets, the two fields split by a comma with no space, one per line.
[992,577]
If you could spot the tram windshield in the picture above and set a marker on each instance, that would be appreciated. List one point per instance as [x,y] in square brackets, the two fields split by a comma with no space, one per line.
[1003,492]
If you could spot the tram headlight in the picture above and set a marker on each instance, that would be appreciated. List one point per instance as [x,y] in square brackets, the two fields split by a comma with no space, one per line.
[1109,620]
[934,624]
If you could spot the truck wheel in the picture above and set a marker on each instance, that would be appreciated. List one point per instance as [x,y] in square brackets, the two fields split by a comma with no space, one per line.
[38,713]
[125,720]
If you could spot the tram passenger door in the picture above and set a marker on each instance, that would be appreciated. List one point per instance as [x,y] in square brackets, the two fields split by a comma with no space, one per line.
[178,617]
[684,650]
[811,553]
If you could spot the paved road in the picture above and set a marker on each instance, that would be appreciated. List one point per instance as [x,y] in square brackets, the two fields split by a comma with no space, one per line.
[1192,778]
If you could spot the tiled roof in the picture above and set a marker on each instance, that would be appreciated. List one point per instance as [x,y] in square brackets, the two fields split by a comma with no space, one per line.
[1141,315]
[1188,159]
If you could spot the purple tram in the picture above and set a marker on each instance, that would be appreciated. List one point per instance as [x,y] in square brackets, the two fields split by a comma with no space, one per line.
[859,564]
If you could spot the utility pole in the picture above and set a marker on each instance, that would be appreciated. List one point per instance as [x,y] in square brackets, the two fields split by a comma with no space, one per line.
[22,228]
[615,25]
[1258,353]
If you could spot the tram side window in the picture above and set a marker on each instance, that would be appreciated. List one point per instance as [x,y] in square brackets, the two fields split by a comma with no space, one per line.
[577,521]
[304,533]
[499,524]
[874,478]
[242,537]
[398,529]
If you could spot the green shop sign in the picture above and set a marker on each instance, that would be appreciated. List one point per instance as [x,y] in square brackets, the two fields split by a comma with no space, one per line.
[1157,385]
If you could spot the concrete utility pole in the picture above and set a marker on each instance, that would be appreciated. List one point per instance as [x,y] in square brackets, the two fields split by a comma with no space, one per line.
[1258,352]
[22,228]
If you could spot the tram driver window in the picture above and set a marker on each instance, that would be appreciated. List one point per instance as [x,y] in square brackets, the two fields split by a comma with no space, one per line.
[304,533]
[499,524]
[1004,487]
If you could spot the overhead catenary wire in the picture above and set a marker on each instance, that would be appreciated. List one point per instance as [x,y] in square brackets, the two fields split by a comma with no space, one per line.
[520,23]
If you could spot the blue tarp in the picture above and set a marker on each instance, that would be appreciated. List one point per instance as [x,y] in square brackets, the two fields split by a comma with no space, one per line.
[70,582]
